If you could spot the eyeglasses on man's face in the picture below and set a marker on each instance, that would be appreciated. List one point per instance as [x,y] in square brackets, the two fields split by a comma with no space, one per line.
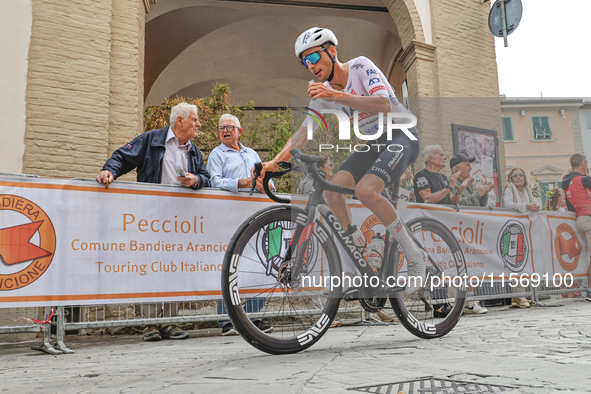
[230,128]
[313,57]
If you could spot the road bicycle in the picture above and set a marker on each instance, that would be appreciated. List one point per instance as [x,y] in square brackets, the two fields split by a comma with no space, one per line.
[286,257]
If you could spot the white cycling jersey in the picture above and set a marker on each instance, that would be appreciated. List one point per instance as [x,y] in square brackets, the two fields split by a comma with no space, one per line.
[365,79]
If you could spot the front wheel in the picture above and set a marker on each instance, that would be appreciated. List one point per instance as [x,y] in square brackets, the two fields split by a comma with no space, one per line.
[276,306]
[441,304]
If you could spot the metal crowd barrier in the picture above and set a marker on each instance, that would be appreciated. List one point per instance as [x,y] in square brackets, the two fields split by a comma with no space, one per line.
[83,317]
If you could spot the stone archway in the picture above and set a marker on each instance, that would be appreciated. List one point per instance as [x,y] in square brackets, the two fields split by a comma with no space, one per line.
[181,60]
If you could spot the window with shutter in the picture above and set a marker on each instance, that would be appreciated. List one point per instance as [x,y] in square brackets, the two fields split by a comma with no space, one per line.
[541,125]
[508,129]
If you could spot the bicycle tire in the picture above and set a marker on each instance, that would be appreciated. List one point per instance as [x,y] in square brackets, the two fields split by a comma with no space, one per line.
[413,313]
[255,264]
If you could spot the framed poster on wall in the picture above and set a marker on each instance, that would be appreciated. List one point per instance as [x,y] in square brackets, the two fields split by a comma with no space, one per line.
[482,144]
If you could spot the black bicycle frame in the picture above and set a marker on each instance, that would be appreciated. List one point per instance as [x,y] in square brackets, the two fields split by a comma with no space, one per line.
[317,203]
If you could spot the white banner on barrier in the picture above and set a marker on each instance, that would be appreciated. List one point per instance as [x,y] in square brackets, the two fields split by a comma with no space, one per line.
[75,242]
[68,243]
[501,244]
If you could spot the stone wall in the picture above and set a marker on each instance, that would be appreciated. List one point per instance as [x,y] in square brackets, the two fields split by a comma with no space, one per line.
[84,86]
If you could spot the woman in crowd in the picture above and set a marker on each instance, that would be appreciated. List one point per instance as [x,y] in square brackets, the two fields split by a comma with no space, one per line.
[518,195]
[555,200]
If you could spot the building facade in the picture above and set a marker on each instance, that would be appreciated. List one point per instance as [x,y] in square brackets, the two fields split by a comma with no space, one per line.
[540,135]
[585,122]
[80,71]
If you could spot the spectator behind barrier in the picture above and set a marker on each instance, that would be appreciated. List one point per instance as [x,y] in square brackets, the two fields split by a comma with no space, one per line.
[469,193]
[517,195]
[166,156]
[555,200]
[230,163]
[432,187]
[160,155]
[576,186]
[305,186]
[472,196]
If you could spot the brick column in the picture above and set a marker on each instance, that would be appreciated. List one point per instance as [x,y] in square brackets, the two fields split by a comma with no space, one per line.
[454,80]
[126,76]
[84,86]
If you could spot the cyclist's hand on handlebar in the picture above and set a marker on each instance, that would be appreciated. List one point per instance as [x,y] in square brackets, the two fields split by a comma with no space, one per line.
[271,166]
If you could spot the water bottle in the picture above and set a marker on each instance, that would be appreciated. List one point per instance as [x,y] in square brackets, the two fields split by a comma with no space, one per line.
[376,251]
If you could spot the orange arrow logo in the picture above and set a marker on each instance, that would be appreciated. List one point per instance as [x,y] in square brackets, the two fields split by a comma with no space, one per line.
[568,247]
[15,246]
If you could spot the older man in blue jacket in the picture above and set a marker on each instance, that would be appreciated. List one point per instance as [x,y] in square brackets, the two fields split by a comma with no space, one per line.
[166,156]
[163,156]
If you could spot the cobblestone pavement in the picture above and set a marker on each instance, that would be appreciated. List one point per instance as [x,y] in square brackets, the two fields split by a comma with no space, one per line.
[541,349]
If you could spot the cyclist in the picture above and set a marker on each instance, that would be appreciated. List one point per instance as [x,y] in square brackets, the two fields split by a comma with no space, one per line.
[359,85]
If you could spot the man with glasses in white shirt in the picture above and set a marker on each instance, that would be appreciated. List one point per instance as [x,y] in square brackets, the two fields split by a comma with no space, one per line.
[230,165]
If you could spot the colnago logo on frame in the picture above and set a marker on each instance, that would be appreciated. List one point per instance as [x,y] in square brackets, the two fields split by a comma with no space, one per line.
[375,123]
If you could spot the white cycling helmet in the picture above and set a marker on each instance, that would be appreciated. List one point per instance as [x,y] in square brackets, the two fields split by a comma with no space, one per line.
[313,37]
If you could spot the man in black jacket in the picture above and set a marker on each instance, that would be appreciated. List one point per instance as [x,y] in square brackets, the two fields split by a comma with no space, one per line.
[166,156]
[161,155]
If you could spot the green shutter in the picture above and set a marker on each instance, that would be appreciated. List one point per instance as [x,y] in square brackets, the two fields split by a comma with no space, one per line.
[507,129]
[546,126]
[541,126]
[537,127]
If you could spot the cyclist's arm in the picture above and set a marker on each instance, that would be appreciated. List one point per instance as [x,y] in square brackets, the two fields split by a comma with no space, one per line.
[370,104]
[297,140]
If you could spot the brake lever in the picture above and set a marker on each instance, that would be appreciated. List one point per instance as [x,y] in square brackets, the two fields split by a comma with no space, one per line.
[258,167]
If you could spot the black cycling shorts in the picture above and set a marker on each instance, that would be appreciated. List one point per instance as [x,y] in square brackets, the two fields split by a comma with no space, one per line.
[386,159]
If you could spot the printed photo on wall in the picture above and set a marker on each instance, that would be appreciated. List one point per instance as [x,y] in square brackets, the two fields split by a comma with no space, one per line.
[482,144]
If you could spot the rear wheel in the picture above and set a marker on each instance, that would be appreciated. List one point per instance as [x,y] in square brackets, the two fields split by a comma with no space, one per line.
[440,306]
[259,265]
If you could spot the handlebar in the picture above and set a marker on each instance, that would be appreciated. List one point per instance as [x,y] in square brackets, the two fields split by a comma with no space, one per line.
[306,164]
[302,158]
[258,166]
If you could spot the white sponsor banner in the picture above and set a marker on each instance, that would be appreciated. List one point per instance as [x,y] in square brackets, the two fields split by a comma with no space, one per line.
[75,242]
[499,244]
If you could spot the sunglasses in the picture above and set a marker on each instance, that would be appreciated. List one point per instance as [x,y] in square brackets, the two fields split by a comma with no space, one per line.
[517,175]
[313,57]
